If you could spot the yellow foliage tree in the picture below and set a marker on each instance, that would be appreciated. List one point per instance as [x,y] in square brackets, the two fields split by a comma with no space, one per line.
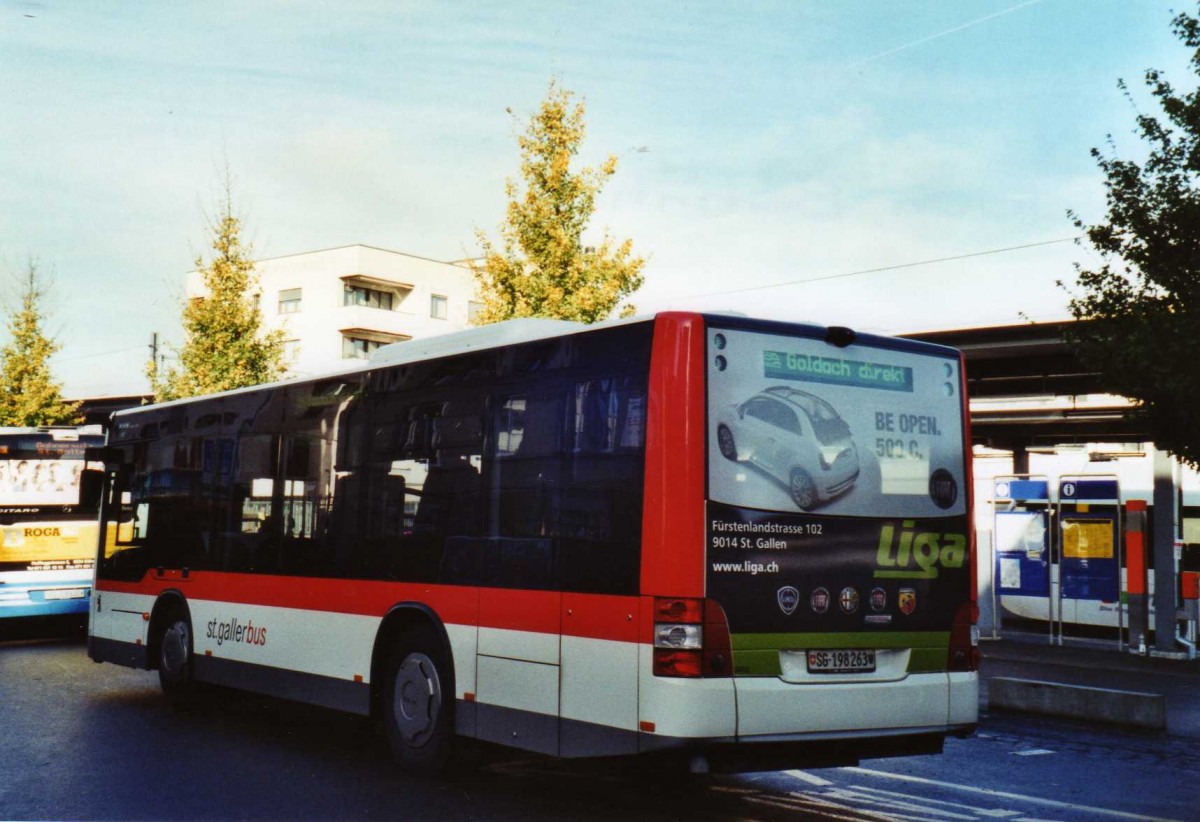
[225,346]
[541,268]
[29,395]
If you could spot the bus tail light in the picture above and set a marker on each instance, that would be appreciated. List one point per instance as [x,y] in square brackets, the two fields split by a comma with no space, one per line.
[691,638]
[964,639]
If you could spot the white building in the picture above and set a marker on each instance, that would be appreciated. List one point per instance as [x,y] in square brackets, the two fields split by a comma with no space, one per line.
[343,303]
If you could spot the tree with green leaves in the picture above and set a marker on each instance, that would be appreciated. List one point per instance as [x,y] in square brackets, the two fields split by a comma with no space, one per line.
[541,267]
[225,345]
[29,396]
[1139,308]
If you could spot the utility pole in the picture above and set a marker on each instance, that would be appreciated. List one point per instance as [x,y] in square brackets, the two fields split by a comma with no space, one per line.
[154,364]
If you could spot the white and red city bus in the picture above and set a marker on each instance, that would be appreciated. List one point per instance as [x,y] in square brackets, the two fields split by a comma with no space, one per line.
[743,542]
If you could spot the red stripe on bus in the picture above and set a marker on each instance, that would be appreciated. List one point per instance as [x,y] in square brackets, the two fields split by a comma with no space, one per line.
[673,523]
[520,610]
[594,616]
[591,616]
[452,603]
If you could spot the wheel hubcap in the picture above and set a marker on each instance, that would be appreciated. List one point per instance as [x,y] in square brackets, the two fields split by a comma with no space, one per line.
[725,442]
[417,698]
[175,650]
[802,491]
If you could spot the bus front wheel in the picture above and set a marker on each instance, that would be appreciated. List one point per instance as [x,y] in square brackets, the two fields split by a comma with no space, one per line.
[417,708]
[175,659]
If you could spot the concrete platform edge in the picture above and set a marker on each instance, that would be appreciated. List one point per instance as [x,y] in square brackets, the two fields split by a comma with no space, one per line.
[1131,708]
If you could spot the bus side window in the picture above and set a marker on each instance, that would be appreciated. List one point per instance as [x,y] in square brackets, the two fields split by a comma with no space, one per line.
[299,503]
[600,531]
[451,508]
[136,521]
[246,506]
[422,492]
[526,477]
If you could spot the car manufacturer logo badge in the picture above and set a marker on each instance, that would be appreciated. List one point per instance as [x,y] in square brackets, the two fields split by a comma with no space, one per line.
[878,599]
[819,601]
[908,600]
[788,598]
[849,600]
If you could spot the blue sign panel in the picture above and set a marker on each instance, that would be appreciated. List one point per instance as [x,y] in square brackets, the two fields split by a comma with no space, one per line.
[1022,490]
[1083,490]
[1090,566]
[1022,555]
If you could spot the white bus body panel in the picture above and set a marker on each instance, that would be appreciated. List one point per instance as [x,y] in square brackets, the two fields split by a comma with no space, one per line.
[964,698]
[119,617]
[599,682]
[686,708]
[749,707]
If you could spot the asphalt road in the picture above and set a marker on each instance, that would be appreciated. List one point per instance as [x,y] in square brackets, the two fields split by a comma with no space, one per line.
[85,741]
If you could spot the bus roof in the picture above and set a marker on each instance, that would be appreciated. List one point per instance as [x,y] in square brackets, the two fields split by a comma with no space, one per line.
[55,432]
[531,329]
[497,335]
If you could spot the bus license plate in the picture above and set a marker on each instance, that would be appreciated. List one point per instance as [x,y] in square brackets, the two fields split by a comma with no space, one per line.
[66,593]
[841,662]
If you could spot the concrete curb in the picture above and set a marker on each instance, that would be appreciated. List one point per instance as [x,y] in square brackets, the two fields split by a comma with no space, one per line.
[1136,708]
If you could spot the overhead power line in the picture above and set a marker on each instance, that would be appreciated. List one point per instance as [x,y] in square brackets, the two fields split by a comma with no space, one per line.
[96,354]
[896,267]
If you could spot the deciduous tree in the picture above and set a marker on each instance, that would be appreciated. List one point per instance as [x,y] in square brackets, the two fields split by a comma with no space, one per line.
[1140,307]
[29,395]
[540,267]
[225,345]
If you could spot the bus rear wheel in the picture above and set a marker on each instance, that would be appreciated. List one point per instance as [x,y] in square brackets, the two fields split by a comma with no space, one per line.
[418,712]
[175,659]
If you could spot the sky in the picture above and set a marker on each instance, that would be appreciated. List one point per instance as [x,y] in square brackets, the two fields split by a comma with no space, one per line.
[888,165]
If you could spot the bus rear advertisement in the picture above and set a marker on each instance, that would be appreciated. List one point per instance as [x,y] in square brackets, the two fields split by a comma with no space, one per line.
[738,543]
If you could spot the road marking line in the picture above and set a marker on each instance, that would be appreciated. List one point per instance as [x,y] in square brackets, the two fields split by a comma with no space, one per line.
[1050,803]
[890,804]
[997,813]
[1034,752]
[826,809]
[809,778]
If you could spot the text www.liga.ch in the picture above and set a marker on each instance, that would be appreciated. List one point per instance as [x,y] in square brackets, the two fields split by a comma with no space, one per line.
[747,567]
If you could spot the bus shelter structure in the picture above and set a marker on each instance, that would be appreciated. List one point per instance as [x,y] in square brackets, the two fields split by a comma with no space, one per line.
[1030,392]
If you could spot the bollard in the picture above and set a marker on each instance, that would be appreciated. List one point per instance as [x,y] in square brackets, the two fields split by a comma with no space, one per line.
[1135,575]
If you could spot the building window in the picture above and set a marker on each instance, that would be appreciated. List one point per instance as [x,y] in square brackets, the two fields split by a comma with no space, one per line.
[369,297]
[291,350]
[358,348]
[289,300]
[438,306]
[473,310]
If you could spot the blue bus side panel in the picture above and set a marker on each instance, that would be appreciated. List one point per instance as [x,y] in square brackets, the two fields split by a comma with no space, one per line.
[42,598]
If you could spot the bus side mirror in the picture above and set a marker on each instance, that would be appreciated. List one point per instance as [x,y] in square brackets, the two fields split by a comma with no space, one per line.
[91,488]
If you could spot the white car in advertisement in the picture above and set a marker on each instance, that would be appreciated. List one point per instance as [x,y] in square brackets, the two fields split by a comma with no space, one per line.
[794,437]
